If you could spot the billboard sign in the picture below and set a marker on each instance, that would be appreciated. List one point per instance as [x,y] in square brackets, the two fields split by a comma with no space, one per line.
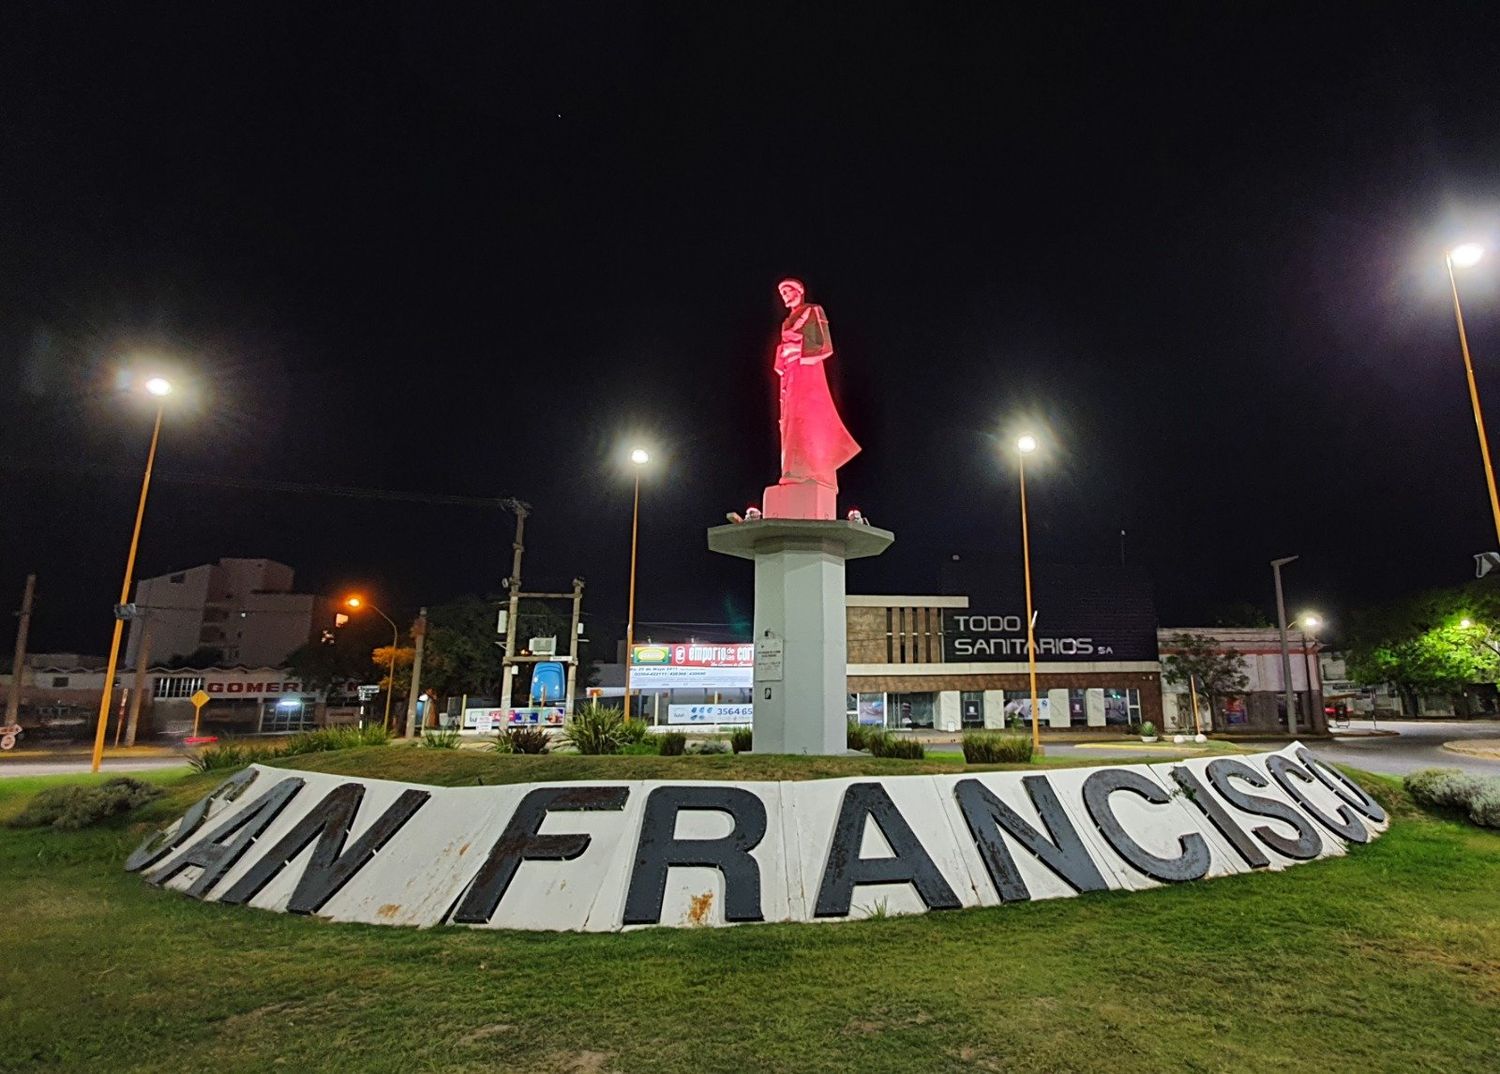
[692,666]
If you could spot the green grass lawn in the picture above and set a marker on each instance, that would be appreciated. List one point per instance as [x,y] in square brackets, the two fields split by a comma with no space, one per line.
[1387,960]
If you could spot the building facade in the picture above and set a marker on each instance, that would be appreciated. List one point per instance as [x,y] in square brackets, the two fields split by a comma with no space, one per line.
[63,702]
[244,608]
[1261,707]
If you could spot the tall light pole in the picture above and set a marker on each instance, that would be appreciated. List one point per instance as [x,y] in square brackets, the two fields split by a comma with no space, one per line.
[1286,656]
[1467,256]
[359,602]
[638,458]
[1025,446]
[161,388]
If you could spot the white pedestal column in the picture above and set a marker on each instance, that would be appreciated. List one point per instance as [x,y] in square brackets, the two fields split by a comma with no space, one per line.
[801,673]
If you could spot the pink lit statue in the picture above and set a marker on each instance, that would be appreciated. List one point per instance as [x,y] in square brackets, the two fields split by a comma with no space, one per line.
[814,442]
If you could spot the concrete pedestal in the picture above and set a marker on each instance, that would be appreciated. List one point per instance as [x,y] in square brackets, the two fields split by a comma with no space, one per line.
[801,649]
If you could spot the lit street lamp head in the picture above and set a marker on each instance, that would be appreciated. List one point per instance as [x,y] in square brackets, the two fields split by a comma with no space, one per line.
[1466,255]
[355,602]
[159,386]
[639,457]
[1026,444]
[1465,624]
[1311,622]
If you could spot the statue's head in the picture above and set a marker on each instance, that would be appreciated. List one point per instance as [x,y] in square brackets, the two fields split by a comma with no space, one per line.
[791,292]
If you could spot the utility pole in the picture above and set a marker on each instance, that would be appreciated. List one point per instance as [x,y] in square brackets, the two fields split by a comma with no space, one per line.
[520,510]
[1286,656]
[142,662]
[419,635]
[573,633]
[18,662]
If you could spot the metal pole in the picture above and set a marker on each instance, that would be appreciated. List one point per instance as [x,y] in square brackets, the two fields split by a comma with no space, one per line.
[1484,443]
[1193,689]
[419,635]
[18,661]
[573,650]
[390,689]
[114,644]
[1036,730]
[1312,714]
[1286,658]
[517,548]
[635,522]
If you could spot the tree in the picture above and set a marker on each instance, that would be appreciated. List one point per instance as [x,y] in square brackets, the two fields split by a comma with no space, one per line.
[1218,669]
[340,655]
[205,656]
[1435,643]
[1239,614]
[380,658]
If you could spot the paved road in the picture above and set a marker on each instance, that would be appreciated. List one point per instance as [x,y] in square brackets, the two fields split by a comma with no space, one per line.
[38,767]
[1420,745]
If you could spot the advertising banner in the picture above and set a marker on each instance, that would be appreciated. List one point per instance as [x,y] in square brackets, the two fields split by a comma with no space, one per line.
[684,714]
[692,666]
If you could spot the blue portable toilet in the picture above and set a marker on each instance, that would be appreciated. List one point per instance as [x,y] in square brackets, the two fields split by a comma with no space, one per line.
[548,682]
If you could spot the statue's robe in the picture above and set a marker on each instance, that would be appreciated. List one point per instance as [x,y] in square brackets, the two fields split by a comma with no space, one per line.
[814,442]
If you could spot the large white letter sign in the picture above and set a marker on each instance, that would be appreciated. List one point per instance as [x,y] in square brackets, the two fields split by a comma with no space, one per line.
[614,855]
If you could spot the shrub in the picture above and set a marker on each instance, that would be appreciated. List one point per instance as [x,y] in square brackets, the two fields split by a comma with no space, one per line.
[740,739]
[525,740]
[885,744]
[435,739]
[633,732]
[856,736]
[992,747]
[333,738]
[1448,788]
[671,744]
[231,754]
[710,746]
[72,808]
[594,728]
[1148,729]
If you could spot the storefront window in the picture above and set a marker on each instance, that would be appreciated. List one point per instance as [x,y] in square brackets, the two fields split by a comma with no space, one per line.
[906,712]
[971,708]
[1018,708]
[1118,707]
[871,710]
[286,715]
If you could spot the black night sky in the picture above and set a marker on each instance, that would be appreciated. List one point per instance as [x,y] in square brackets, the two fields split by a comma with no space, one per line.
[481,252]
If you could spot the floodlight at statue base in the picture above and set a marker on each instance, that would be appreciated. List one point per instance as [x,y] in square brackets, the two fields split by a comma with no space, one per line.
[800,697]
[800,500]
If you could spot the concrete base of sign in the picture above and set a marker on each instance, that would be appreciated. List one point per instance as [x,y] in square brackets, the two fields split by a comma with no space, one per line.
[800,666]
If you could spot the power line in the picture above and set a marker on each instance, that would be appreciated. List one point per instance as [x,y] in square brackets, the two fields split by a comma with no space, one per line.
[178,477]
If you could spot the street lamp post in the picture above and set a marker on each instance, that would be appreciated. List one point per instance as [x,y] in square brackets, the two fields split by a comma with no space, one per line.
[638,458]
[1466,256]
[1286,656]
[1025,446]
[359,602]
[1309,625]
[161,388]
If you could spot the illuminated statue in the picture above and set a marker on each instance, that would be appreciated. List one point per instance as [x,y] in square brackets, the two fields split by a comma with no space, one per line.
[814,442]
